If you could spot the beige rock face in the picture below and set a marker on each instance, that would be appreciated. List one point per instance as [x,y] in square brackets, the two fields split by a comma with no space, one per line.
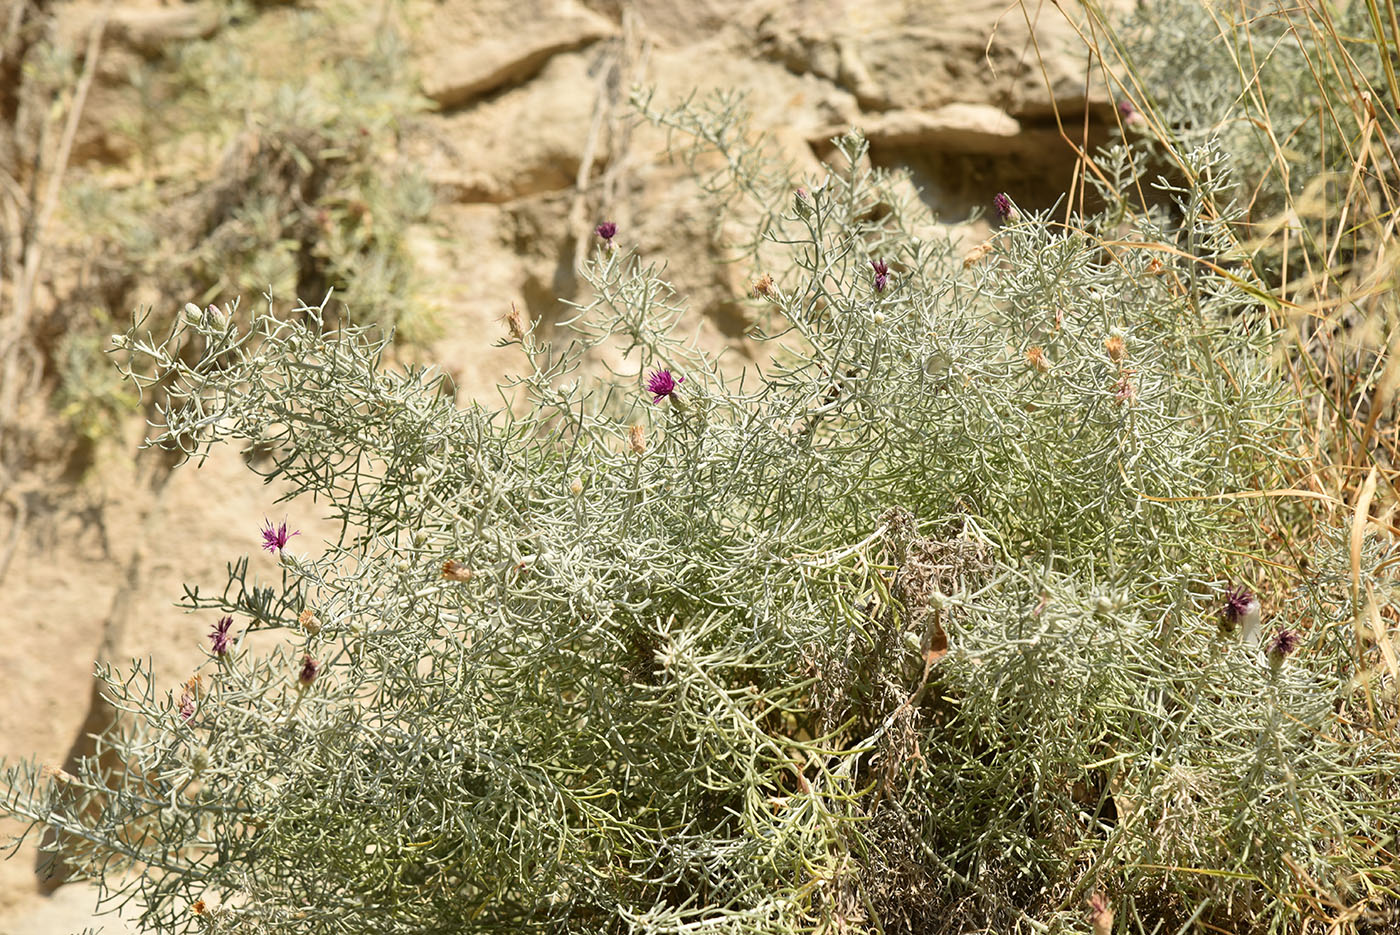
[532,144]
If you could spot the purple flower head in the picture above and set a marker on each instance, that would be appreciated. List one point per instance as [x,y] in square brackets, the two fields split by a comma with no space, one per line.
[1001,202]
[607,231]
[1126,108]
[1283,644]
[1240,602]
[882,274]
[219,635]
[662,383]
[309,668]
[275,537]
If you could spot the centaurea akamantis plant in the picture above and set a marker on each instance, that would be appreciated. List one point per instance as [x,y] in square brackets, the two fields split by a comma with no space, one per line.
[773,666]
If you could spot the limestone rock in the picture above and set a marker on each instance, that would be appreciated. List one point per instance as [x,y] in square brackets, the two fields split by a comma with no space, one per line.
[958,128]
[456,76]
[149,31]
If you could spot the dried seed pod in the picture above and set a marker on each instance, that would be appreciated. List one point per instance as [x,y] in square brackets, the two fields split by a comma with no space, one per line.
[453,570]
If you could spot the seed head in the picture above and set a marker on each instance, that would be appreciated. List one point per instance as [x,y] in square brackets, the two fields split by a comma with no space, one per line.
[663,383]
[637,439]
[1001,203]
[1115,346]
[275,537]
[606,232]
[763,286]
[219,636]
[1035,356]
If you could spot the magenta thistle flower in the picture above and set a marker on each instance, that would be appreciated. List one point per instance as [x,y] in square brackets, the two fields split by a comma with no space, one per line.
[882,274]
[1283,644]
[662,383]
[275,537]
[1126,108]
[1001,202]
[219,635]
[1239,602]
[607,231]
[309,668]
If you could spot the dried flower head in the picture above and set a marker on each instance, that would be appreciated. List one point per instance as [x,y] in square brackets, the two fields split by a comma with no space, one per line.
[637,439]
[606,231]
[1283,644]
[1155,267]
[1100,915]
[309,622]
[198,908]
[275,537]
[663,383]
[1115,346]
[308,672]
[517,323]
[58,774]
[1001,203]
[187,698]
[882,274]
[219,636]
[763,286]
[1124,392]
[1035,356]
[978,253]
[453,570]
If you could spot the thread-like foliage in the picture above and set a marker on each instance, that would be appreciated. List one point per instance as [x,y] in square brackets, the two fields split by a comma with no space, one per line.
[921,626]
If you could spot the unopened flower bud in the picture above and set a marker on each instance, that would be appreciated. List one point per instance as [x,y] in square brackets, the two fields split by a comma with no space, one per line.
[575,486]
